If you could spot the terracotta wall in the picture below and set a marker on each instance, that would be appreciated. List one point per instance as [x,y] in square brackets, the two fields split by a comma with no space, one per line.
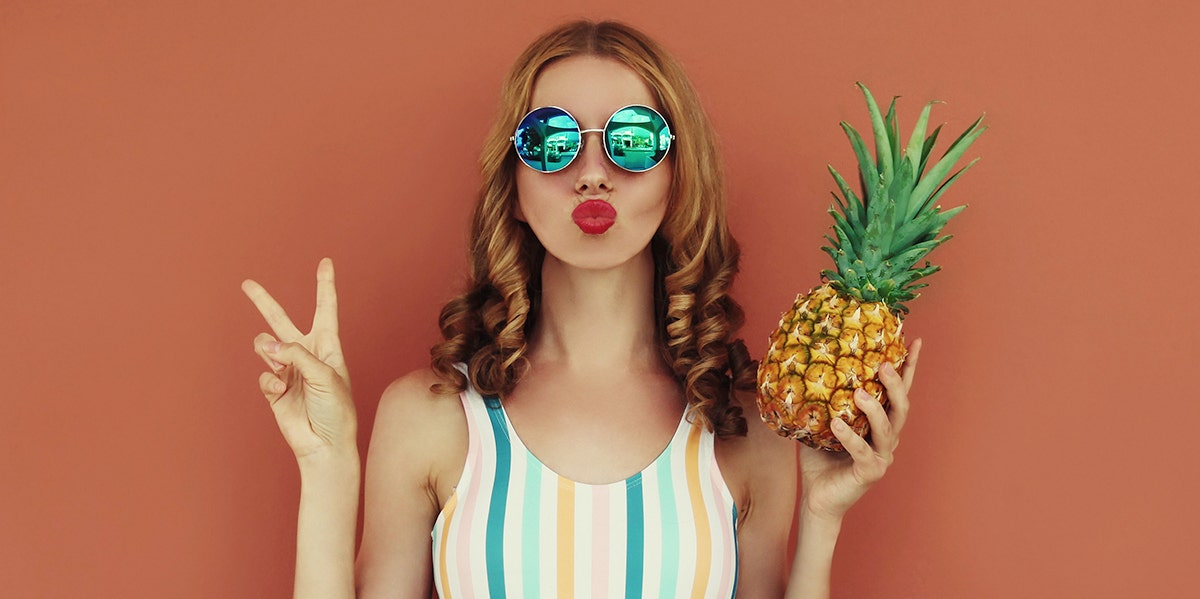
[154,154]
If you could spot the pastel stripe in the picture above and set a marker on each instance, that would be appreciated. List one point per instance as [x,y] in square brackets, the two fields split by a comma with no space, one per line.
[669,512]
[514,528]
[461,570]
[530,560]
[737,560]
[566,538]
[448,520]
[700,516]
[496,511]
[634,549]
[723,532]
[601,541]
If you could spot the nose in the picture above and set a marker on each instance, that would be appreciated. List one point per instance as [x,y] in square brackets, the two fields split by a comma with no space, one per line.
[593,175]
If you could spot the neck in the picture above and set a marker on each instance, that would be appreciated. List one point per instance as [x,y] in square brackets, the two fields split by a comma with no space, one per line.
[597,321]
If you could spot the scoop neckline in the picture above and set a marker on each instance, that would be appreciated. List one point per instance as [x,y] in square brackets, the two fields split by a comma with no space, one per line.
[511,432]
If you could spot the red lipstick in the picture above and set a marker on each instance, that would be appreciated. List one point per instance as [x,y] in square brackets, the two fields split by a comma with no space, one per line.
[594,217]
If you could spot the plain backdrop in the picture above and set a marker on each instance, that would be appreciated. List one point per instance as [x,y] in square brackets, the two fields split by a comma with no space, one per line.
[154,154]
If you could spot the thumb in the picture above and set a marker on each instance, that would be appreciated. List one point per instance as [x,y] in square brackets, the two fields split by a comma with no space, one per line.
[295,355]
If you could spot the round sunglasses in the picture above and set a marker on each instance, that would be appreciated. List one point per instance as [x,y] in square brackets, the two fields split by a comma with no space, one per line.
[636,138]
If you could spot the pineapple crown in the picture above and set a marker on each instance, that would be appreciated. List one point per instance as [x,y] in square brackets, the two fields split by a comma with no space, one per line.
[881,237]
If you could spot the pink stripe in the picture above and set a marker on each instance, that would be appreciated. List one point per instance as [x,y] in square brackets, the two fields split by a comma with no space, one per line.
[602,542]
[725,513]
[464,539]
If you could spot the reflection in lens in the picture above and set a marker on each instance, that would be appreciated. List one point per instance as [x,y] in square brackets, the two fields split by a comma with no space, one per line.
[637,138]
[547,139]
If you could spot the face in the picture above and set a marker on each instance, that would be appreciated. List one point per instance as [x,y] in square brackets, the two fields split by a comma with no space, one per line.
[591,89]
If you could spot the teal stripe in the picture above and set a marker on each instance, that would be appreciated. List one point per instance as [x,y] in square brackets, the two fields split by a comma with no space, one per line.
[670,529]
[634,533]
[532,522]
[495,521]
[736,558]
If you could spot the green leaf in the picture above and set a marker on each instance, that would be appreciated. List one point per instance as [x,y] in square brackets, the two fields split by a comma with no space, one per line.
[914,153]
[856,211]
[927,149]
[840,221]
[866,165]
[883,147]
[932,201]
[893,131]
[909,257]
[931,181]
[901,191]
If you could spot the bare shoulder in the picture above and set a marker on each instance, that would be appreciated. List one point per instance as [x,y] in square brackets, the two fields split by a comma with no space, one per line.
[417,425]
[417,451]
[757,460]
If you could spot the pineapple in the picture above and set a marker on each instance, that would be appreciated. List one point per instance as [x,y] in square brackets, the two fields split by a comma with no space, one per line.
[835,338]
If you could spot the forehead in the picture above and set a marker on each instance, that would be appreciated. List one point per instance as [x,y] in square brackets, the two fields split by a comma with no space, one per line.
[590,87]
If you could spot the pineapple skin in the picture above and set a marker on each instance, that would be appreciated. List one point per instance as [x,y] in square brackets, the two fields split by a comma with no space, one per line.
[827,345]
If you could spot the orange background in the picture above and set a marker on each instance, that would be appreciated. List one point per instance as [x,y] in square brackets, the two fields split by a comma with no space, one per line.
[153,156]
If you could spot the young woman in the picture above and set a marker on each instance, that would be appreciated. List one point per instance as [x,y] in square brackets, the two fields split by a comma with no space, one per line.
[587,426]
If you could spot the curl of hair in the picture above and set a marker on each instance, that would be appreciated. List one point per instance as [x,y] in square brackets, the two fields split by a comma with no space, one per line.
[695,254]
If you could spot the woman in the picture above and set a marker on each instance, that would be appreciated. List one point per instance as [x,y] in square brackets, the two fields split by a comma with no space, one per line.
[597,446]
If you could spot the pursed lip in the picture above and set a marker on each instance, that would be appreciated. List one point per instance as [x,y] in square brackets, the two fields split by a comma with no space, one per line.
[594,217]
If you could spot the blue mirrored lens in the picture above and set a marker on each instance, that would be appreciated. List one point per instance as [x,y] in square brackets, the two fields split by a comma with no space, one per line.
[637,138]
[547,139]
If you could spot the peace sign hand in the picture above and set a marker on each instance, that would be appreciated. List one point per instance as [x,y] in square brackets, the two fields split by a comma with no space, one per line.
[308,385]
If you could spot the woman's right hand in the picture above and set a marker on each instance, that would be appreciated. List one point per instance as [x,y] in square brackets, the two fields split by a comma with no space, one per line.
[307,384]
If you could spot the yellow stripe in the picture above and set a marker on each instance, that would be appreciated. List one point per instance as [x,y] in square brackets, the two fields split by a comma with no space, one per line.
[566,538]
[703,532]
[450,505]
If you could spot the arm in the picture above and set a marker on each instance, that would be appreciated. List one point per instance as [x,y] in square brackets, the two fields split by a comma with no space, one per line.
[308,388]
[833,483]
[416,457]
[325,528]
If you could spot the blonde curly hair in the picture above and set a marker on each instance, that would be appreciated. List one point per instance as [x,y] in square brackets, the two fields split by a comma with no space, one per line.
[695,255]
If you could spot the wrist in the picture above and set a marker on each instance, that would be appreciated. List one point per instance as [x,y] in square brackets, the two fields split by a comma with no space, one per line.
[814,516]
[330,463]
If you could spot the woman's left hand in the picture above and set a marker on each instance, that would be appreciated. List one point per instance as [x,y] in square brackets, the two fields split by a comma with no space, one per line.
[833,482]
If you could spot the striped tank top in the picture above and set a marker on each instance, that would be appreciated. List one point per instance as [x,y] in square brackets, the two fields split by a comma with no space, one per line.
[515,528]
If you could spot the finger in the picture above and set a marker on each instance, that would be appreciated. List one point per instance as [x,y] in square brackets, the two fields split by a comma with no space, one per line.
[314,371]
[897,396]
[910,364]
[325,316]
[867,465]
[882,433]
[272,387]
[276,318]
[261,344]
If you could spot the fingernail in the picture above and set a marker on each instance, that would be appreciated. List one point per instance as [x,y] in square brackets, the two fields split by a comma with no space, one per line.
[861,395]
[839,424]
[888,369]
[272,347]
[279,387]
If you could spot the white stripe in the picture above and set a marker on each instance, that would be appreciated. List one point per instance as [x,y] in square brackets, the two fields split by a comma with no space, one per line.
[619,536]
[652,569]
[548,535]
[583,542]
[479,513]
